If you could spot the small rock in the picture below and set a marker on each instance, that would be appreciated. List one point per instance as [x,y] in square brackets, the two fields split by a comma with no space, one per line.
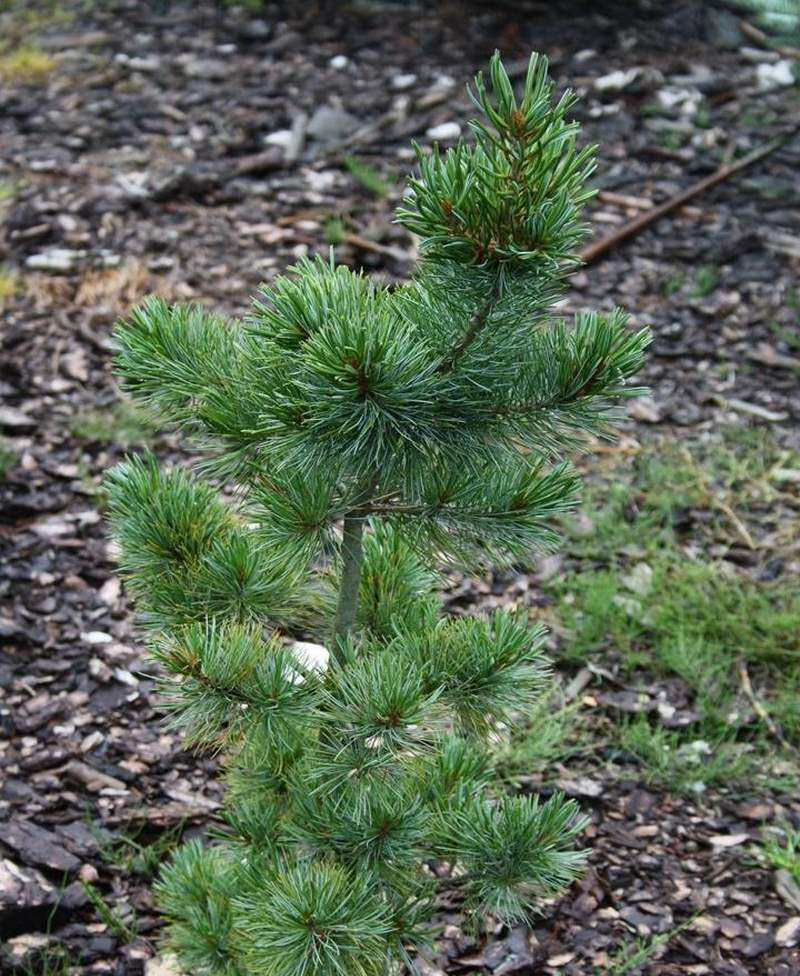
[758,55]
[100,670]
[582,786]
[314,657]
[787,888]
[339,62]
[444,83]
[51,528]
[777,75]
[91,741]
[788,934]
[281,137]
[125,676]
[254,29]
[37,846]
[109,591]
[331,125]
[758,944]
[769,355]
[644,409]
[29,901]
[61,259]
[421,966]
[639,580]
[24,945]
[402,82]
[581,525]
[75,365]
[97,637]
[438,92]
[561,959]
[687,100]
[444,131]
[728,840]
[210,68]
[16,420]
[88,873]
[92,779]
[617,80]
[148,65]
[56,259]
[549,566]
[166,965]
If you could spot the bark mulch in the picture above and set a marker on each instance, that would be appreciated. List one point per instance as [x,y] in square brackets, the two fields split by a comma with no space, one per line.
[196,154]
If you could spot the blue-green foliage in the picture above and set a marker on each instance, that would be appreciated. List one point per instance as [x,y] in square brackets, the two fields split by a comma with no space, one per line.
[433,419]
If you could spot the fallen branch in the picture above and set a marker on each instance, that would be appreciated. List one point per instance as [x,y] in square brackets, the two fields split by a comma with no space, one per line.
[593,251]
[758,708]
[763,40]
[386,250]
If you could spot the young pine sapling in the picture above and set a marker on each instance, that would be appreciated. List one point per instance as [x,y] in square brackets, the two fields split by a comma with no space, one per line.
[374,436]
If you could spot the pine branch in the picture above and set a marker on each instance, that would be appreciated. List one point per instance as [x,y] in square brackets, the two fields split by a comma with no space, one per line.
[476,323]
[352,554]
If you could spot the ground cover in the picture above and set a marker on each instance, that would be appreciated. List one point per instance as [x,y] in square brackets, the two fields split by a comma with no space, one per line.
[673,605]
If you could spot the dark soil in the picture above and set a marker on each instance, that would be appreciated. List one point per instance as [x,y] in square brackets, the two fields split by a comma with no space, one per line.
[144,159]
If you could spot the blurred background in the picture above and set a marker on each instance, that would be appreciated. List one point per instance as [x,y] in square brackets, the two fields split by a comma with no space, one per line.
[198,149]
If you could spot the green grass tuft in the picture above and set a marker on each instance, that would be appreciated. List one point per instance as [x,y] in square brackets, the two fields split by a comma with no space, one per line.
[705,281]
[107,915]
[26,63]
[680,763]
[8,458]
[368,177]
[647,592]
[140,859]
[124,425]
[10,285]
[784,853]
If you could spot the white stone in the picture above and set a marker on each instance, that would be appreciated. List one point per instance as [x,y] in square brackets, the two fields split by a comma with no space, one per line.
[282,138]
[51,528]
[56,259]
[776,75]
[97,637]
[166,965]
[148,64]
[339,61]
[639,580]
[686,99]
[402,82]
[91,741]
[320,180]
[126,678]
[313,657]
[617,80]
[447,130]
[63,259]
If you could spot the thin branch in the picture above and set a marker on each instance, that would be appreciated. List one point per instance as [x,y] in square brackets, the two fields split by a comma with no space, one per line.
[476,323]
[597,249]
[352,553]
[758,707]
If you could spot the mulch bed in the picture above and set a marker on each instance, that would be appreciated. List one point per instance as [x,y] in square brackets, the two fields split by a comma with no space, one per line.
[145,163]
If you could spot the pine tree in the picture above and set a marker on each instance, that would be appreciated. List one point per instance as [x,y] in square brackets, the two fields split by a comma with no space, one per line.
[375,437]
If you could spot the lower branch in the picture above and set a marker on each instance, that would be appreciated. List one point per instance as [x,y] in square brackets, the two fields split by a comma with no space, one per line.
[352,553]
[476,323]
